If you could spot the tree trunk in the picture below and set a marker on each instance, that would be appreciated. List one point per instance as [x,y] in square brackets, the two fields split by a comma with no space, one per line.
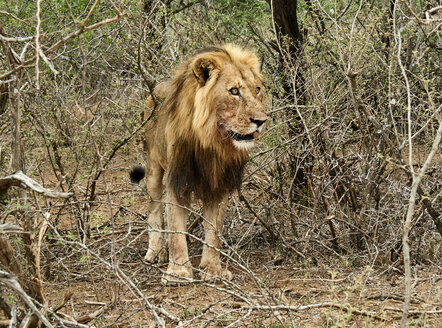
[289,45]
[286,24]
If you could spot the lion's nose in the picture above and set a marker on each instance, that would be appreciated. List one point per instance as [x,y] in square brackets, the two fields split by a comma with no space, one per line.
[258,122]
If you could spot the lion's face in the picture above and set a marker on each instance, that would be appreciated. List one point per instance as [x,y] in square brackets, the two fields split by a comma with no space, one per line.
[240,105]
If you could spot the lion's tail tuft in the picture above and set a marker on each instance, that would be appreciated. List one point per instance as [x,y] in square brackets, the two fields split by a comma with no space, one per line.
[136,174]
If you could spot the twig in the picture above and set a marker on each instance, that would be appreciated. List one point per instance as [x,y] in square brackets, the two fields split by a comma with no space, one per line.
[190,4]
[89,317]
[123,277]
[10,281]
[142,69]
[264,224]
[10,227]
[37,47]
[295,308]
[66,299]
[37,278]
[13,322]
[414,312]
[113,152]
[83,24]
[203,311]
[420,20]
[13,16]
[16,39]
[269,229]
[46,60]
[58,44]
[395,297]
[359,105]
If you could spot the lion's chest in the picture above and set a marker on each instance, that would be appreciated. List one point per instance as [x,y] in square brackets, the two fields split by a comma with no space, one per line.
[203,173]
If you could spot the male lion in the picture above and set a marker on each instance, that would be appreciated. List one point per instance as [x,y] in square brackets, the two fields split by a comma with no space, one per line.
[211,113]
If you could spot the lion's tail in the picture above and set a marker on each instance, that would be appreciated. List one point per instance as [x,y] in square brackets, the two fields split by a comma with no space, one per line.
[137,174]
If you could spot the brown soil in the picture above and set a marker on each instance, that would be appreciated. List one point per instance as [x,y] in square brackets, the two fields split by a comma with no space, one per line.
[278,290]
[358,298]
[272,287]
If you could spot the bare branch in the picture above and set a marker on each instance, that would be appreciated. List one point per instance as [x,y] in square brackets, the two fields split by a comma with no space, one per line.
[10,281]
[21,179]
[141,67]
[13,16]
[427,13]
[16,39]
[58,44]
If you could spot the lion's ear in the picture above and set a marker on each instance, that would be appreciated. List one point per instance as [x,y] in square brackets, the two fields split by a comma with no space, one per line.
[202,69]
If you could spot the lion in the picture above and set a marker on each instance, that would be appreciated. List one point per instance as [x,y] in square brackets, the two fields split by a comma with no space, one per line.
[209,116]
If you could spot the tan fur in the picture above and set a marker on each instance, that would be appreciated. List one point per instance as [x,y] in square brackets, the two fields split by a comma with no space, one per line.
[189,144]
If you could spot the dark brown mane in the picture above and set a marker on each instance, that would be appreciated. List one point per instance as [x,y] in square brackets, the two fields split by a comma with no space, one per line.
[203,172]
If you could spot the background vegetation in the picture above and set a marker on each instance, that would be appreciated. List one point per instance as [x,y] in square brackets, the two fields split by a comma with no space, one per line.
[354,95]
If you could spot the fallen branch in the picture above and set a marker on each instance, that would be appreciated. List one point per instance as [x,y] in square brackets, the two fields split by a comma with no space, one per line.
[22,180]
[294,308]
[395,297]
[66,299]
[10,281]
[10,227]
[414,312]
[89,317]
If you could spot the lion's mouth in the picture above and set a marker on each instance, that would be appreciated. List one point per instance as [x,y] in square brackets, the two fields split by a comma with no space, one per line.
[240,137]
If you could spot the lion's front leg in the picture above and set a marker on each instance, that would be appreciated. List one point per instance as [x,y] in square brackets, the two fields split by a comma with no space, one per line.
[179,264]
[213,225]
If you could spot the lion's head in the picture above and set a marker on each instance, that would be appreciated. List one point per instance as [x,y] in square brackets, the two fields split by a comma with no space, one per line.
[222,99]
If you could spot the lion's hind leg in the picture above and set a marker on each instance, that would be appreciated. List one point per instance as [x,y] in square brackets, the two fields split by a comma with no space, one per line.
[157,250]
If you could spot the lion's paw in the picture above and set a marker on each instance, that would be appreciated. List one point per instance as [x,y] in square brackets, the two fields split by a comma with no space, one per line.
[155,257]
[212,273]
[177,275]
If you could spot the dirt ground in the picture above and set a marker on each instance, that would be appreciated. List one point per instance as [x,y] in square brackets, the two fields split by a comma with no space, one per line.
[271,287]
[282,296]
[105,283]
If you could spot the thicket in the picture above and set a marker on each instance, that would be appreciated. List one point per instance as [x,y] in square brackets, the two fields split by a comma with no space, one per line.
[355,107]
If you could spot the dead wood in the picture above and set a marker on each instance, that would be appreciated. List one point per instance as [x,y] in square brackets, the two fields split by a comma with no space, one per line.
[362,110]
[7,257]
[22,180]
[11,282]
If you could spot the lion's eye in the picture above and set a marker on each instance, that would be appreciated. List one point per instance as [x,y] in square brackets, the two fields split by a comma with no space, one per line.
[257,90]
[234,91]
